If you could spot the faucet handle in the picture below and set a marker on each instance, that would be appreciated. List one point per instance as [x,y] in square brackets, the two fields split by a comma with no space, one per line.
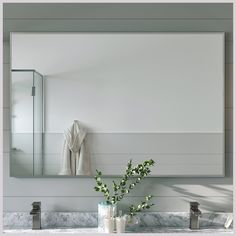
[194,204]
[36,205]
[194,208]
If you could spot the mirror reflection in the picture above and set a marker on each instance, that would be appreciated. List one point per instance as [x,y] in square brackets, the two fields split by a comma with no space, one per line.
[95,100]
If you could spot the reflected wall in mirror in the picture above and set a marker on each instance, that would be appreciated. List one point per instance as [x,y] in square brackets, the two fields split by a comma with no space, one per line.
[136,96]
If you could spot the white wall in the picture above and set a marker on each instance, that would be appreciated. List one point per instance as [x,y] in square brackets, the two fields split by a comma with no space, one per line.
[171,194]
[128,83]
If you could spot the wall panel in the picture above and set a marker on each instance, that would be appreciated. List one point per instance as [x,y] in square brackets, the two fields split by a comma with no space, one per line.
[214,194]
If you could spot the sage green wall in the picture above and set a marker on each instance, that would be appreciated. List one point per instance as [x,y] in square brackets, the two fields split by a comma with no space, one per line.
[76,194]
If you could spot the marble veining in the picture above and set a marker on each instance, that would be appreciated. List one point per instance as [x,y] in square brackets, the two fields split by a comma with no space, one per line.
[177,220]
[180,219]
[51,219]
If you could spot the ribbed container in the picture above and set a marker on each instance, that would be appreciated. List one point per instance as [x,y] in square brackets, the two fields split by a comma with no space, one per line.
[105,210]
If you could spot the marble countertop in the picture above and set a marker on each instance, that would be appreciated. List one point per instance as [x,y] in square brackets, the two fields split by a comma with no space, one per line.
[86,223]
[136,230]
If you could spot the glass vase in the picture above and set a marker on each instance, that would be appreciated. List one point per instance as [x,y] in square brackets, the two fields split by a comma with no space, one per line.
[105,210]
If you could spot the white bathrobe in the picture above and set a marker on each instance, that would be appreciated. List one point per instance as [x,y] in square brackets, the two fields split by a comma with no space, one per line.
[75,158]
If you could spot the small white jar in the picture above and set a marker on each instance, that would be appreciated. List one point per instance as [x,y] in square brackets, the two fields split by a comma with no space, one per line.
[120,224]
[108,225]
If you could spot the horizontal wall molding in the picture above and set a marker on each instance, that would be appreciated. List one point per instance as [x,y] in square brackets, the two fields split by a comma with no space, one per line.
[117,10]
[162,186]
[207,204]
[228,37]
[134,143]
[143,143]
[114,25]
[174,153]
[122,159]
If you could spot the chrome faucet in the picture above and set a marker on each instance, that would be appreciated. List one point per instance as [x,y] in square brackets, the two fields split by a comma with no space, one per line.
[194,215]
[36,212]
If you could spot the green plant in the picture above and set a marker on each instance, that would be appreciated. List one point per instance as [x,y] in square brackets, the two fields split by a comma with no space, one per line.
[133,210]
[133,176]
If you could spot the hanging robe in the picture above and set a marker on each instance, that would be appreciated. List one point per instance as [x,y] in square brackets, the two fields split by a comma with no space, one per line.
[75,159]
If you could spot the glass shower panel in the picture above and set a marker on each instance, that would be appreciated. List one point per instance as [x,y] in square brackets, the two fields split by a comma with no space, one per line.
[38,123]
[27,123]
[22,124]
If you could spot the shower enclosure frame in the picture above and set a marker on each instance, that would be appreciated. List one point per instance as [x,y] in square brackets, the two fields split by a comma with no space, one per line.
[33,130]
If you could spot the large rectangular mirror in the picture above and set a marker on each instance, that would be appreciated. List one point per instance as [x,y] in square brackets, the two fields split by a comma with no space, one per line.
[118,96]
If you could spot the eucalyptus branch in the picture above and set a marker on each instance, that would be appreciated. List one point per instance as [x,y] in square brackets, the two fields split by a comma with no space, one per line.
[120,189]
[102,187]
[140,171]
[133,210]
[133,176]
